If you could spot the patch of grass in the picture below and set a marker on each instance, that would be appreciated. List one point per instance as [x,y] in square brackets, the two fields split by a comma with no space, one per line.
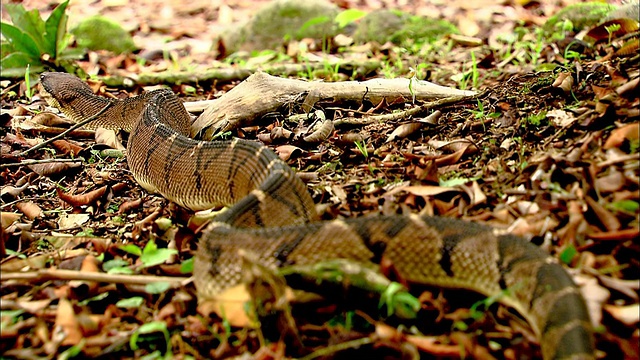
[535,120]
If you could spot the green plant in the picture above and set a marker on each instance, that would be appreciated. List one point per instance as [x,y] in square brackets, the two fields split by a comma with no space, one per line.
[362,146]
[611,29]
[35,43]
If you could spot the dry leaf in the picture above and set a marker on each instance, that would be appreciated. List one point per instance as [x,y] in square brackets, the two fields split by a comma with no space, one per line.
[8,218]
[109,138]
[70,221]
[229,305]
[610,221]
[30,209]
[82,199]
[628,315]
[422,190]
[618,136]
[51,120]
[64,147]
[286,151]
[53,168]
[67,324]
[404,130]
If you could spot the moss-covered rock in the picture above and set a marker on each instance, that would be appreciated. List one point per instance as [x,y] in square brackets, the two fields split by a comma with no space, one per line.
[282,20]
[395,26]
[581,15]
[100,33]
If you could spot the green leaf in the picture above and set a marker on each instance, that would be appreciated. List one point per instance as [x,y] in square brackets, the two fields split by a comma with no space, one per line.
[20,41]
[152,256]
[157,287]
[155,326]
[568,254]
[348,16]
[29,22]
[187,266]
[15,65]
[55,33]
[132,302]
[131,249]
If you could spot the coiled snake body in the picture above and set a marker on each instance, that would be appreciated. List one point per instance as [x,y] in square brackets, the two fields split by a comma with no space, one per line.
[272,215]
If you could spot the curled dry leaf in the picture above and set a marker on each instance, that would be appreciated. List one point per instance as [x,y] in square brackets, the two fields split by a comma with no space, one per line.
[628,315]
[82,199]
[109,138]
[129,205]
[564,81]
[403,131]
[321,133]
[70,221]
[51,120]
[286,151]
[618,136]
[230,305]
[12,191]
[8,218]
[594,295]
[54,168]
[605,30]
[610,221]
[86,288]
[67,325]
[29,209]
[64,147]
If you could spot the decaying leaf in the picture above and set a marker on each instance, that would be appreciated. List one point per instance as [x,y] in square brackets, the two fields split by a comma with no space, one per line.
[404,130]
[286,151]
[29,209]
[109,138]
[82,199]
[54,168]
[618,136]
[67,327]
[628,315]
[70,221]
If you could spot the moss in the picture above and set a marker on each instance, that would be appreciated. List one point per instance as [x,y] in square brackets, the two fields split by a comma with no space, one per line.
[581,15]
[100,33]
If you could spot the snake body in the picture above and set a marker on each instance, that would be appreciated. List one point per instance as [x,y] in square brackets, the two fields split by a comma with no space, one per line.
[272,215]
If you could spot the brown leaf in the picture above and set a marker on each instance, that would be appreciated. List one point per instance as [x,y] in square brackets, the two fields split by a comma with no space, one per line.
[8,218]
[53,168]
[129,205]
[30,209]
[51,120]
[607,219]
[109,138]
[628,314]
[83,199]
[603,31]
[618,136]
[286,151]
[67,324]
[404,130]
[64,147]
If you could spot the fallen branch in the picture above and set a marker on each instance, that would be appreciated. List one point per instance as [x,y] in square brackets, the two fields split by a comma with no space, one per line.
[262,93]
[34,162]
[57,274]
[357,68]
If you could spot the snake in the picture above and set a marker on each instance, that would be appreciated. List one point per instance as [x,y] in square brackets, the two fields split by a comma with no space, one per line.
[271,214]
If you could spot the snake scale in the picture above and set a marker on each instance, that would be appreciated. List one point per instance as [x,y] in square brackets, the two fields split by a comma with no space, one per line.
[272,215]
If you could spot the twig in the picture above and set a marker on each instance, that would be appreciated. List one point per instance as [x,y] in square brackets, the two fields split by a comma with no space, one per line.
[401,114]
[57,274]
[62,134]
[45,161]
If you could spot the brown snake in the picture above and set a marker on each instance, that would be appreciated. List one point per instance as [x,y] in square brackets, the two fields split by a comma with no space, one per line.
[272,215]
